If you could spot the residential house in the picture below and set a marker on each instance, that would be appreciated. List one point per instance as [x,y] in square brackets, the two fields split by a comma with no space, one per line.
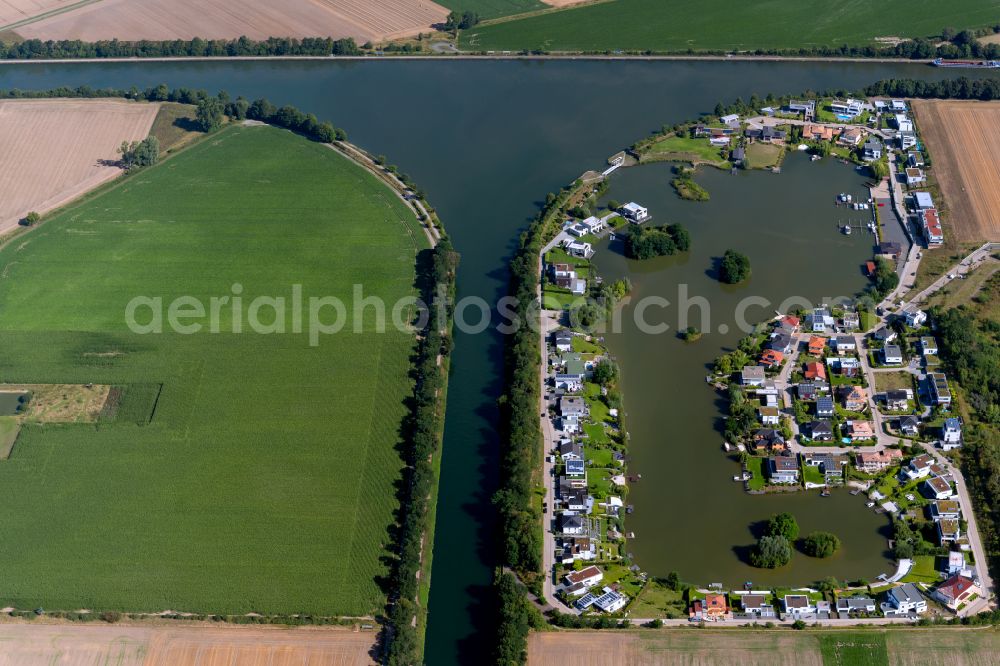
[855,399]
[575,549]
[611,601]
[755,605]
[951,433]
[884,334]
[768,438]
[896,400]
[576,499]
[914,317]
[872,463]
[771,358]
[806,108]
[930,222]
[824,407]
[948,530]
[587,577]
[940,392]
[903,122]
[923,201]
[594,224]
[915,159]
[752,375]
[873,150]
[917,468]
[769,415]
[783,469]
[889,250]
[790,323]
[946,510]
[815,370]
[819,320]
[897,105]
[832,465]
[956,564]
[634,213]
[572,407]
[844,344]
[563,341]
[904,600]
[848,606]
[819,133]
[956,591]
[799,607]
[807,390]
[936,488]
[767,134]
[915,176]
[575,468]
[906,140]
[731,119]
[570,450]
[819,431]
[578,229]
[572,523]
[578,249]
[739,154]
[851,137]
[851,321]
[716,607]
[851,107]
[781,341]
[816,345]
[909,425]
[859,430]
[928,346]
[892,355]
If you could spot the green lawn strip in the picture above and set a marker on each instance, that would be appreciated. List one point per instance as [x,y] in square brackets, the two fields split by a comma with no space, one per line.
[755,465]
[9,427]
[690,24]
[923,571]
[763,155]
[682,148]
[812,474]
[265,481]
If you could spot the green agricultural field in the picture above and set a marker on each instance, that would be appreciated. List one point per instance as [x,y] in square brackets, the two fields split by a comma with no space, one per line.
[243,472]
[680,25]
[488,9]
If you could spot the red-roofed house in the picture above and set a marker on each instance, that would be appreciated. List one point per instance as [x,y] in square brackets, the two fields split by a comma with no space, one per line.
[716,606]
[815,370]
[955,591]
[791,321]
[932,226]
[816,345]
[771,358]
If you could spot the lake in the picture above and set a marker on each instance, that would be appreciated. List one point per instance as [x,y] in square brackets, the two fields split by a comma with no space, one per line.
[10,402]
[487,140]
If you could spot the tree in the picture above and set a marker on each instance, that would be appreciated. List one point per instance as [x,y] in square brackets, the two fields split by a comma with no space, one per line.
[138,154]
[820,544]
[735,267]
[783,524]
[673,581]
[30,219]
[771,552]
[646,242]
[605,372]
[514,624]
[885,278]
[210,113]
[879,169]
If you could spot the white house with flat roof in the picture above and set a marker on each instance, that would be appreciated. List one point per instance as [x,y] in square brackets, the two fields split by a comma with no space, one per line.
[923,200]
[633,212]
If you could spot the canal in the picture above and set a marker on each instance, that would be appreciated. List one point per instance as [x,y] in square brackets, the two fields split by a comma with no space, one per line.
[487,140]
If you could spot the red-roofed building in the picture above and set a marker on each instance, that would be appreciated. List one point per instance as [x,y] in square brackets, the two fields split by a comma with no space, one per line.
[716,606]
[932,226]
[815,370]
[816,345]
[955,591]
[771,358]
[791,321]
[870,268]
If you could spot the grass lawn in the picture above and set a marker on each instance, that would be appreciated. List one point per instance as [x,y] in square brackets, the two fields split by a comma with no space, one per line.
[264,480]
[684,149]
[755,465]
[935,263]
[584,347]
[656,600]
[853,649]
[692,24]
[763,155]
[812,474]
[892,381]
[923,570]
[8,434]
[174,126]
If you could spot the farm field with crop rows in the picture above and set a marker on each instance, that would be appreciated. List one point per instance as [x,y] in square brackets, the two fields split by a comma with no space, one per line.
[243,472]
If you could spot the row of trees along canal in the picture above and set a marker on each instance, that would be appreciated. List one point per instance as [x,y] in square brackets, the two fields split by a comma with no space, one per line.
[436,280]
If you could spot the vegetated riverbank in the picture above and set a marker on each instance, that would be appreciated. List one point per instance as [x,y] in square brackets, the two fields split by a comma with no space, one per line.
[435,283]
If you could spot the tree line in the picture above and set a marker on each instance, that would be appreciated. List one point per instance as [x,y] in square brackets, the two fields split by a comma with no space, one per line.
[961,88]
[423,443]
[36,49]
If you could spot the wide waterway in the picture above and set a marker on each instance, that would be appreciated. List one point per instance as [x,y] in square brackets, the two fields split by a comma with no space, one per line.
[487,140]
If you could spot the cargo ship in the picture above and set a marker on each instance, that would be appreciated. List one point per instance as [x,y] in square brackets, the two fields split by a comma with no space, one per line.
[970,64]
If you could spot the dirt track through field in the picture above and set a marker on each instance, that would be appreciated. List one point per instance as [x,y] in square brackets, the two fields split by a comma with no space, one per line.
[51,151]
[364,20]
[964,145]
[26,644]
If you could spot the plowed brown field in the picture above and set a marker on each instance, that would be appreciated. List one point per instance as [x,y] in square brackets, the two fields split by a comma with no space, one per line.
[84,645]
[364,20]
[52,151]
[964,144]
[12,11]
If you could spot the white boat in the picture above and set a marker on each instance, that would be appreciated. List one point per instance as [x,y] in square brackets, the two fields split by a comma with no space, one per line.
[846,229]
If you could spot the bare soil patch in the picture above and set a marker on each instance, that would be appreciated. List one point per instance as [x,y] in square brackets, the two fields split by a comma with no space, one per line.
[963,143]
[990,39]
[62,403]
[140,645]
[53,151]
[669,648]
[365,20]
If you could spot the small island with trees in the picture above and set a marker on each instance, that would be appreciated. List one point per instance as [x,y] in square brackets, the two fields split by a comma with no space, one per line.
[643,242]
[735,267]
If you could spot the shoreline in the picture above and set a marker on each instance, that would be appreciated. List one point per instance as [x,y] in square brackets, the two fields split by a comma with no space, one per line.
[569,55]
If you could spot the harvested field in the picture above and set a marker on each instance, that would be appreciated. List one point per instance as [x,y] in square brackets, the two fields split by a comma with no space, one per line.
[364,20]
[52,151]
[139,645]
[63,403]
[963,143]
[14,11]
